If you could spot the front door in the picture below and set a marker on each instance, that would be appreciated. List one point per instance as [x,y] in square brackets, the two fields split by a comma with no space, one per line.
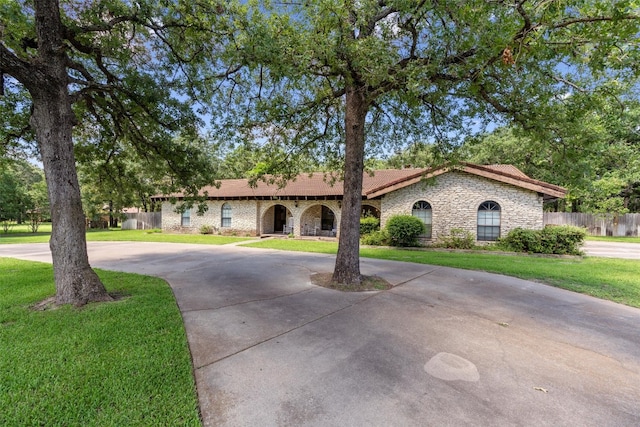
[279,218]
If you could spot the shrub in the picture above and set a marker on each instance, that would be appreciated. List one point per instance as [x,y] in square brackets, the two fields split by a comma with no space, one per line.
[404,230]
[375,238]
[206,229]
[562,240]
[369,224]
[457,239]
[522,240]
[558,240]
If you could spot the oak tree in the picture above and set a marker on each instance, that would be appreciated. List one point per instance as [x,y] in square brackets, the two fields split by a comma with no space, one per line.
[111,70]
[342,78]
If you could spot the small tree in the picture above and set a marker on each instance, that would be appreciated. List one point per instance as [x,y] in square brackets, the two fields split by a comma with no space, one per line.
[38,205]
[13,200]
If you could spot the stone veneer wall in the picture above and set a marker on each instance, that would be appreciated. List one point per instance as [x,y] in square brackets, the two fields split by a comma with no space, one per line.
[253,217]
[244,215]
[455,198]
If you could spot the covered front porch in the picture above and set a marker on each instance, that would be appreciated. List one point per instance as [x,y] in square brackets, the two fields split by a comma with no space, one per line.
[301,218]
[305,218]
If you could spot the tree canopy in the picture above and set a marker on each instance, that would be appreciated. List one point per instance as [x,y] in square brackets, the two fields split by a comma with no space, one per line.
[596,157]
[111,74]
[343,78]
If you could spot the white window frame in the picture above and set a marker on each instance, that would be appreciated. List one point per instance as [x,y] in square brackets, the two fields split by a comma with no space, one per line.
[423,210]
[226,215]
[489,221]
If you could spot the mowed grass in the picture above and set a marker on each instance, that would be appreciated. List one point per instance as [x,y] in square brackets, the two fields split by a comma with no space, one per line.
[109,364]
[607,278]
[127,235]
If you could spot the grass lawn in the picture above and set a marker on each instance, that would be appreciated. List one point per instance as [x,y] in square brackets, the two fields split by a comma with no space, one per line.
[614,239]
[115,234]
[44,228]
[607,278]
[110,364]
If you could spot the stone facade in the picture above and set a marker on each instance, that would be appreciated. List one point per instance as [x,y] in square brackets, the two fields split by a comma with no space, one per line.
[244,214]
[455,197]
[255,217]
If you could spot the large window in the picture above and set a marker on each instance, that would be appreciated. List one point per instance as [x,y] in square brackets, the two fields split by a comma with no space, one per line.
[328,218]
[423,211]
[185,218]
[489,221]
[226,215]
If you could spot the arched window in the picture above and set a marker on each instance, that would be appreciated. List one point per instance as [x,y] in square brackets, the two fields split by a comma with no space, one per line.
[368,210]
[488,221]
[422,210]
[226,215]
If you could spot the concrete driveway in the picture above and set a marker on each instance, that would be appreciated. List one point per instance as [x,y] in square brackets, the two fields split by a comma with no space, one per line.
[612,249]
[444,347]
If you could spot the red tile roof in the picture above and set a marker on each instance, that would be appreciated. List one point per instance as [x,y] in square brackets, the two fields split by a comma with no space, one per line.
[375,183]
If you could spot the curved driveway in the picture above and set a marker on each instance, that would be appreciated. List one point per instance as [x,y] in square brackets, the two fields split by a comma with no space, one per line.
[612,249]
[444,347]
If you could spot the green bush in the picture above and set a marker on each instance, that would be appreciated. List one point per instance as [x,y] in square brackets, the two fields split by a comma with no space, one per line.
[369,224]
[558,240]
[404,230]
[563,240]
[457,239]
[522,240]
[375,238]
[206,229]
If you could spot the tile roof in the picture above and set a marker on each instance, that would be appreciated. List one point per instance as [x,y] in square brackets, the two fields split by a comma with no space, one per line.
[375,183]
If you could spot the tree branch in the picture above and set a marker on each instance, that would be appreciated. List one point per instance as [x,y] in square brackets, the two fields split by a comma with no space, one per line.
[590,19]
[16,67]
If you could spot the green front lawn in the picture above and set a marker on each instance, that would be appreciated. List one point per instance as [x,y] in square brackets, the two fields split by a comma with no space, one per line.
[607,278]
[110,364]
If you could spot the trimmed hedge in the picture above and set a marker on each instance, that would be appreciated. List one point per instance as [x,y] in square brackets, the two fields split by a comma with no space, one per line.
[404,230]
[558,240]
[369,224]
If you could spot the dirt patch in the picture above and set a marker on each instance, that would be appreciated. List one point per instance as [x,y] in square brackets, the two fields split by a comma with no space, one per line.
[368,283]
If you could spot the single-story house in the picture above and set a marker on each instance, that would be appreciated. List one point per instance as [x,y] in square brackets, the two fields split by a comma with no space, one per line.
[488,201]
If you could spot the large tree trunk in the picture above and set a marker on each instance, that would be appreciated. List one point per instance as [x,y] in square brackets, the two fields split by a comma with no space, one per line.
[347,268]
[53,121]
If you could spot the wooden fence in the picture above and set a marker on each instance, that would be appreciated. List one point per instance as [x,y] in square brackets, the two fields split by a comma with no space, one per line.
[142,221]
[598,224]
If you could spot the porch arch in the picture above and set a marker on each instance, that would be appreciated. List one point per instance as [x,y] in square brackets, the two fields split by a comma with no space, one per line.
[275,218]
[319,219]
[370,210]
